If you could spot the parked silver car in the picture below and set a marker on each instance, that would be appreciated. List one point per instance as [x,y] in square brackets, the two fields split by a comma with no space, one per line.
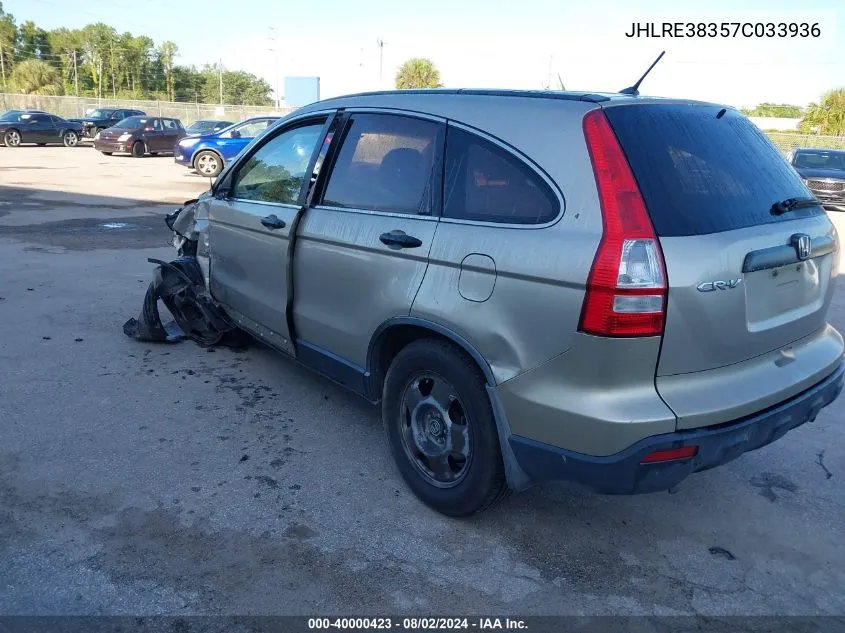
[609,289]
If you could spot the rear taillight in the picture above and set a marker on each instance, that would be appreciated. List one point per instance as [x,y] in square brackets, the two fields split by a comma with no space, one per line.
[626,289]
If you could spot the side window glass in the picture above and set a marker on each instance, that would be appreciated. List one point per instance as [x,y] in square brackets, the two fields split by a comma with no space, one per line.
[170,124]
[485,183]
[251,129]
[157,125]
[276,171]
[386,163]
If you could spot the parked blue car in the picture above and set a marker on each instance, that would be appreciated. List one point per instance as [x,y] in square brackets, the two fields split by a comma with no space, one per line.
[209,153]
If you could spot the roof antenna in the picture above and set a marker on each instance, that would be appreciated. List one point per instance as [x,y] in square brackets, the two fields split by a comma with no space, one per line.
[633,90]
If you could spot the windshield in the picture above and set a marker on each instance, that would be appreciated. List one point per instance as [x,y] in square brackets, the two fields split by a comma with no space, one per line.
[202,125]
[132,123]
[820,160]
[100,114]
[11,115]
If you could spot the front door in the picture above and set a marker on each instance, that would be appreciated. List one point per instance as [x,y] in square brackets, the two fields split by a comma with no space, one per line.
[250,229]
[38,129]
[362,248]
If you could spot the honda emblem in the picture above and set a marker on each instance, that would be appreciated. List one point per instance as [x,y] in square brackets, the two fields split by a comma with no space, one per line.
[803,246]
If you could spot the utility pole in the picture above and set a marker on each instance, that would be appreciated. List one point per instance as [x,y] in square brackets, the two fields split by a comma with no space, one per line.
[275,49]
[3,66]
[220,75]
[75,73]
[380,62]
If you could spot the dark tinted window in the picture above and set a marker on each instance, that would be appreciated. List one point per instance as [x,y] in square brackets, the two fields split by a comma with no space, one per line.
[276,171]
[816,159]
[488,184]
[701,174]
[386,163]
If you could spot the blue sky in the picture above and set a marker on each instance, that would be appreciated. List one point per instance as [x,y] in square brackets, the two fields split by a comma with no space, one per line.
[487,43]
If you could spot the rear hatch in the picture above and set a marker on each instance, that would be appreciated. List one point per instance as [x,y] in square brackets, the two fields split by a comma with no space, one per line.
[740,281]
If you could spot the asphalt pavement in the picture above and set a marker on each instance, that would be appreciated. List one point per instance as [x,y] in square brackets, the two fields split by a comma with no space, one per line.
[168,479]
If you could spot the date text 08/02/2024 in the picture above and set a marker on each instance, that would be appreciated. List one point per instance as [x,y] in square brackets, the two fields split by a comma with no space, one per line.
[417,624]
[724,29]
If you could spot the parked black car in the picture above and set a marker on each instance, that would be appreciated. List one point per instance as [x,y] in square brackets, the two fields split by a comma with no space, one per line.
[103,118]
[823,171]
[39,128]
[140,135]
[207,126]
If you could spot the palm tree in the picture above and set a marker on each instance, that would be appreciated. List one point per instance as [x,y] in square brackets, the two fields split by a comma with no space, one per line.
[827,117]
[35,77]
[418,73]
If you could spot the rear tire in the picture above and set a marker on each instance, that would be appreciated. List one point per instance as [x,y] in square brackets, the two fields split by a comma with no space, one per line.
[138,149]
[440,426]
[208,164]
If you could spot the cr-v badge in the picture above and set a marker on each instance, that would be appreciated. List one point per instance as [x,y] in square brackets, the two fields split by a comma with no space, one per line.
[710,286]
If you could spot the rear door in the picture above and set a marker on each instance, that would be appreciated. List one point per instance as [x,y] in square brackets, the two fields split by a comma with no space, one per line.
[744,279]
[171,133]
[251,227]
[362,248]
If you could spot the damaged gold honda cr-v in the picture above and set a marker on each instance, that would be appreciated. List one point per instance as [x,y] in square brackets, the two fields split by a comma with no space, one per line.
[591,287]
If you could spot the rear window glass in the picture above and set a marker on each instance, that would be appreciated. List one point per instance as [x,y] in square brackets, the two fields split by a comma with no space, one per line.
[701,174]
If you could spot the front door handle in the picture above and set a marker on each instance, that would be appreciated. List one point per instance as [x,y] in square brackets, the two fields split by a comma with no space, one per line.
[400,239]
[272,222]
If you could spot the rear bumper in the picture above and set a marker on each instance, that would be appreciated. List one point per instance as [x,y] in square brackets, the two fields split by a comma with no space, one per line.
[624,472]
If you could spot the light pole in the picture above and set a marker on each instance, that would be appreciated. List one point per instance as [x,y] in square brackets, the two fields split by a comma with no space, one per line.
[275,49]
[380,62]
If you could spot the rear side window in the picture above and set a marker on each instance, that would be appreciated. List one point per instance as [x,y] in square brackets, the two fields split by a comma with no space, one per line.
[386,163]
[485,183]
[700,173]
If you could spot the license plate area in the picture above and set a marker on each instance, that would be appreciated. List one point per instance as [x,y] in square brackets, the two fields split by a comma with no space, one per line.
[777,296]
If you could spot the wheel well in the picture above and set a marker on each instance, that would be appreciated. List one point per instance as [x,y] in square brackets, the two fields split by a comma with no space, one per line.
[393,339]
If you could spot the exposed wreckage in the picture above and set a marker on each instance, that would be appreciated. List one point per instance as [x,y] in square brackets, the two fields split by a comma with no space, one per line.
[182,286]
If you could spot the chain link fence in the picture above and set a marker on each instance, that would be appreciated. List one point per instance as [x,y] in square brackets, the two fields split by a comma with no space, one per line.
[787,142]
[75,107]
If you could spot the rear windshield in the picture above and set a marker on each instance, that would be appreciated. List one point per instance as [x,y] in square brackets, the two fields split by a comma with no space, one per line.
[700,173]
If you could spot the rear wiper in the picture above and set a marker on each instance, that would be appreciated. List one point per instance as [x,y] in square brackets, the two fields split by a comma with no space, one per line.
[790,204]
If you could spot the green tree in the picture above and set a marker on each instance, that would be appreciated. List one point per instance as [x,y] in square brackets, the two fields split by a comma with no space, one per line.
[783,110]
[8,35]
[35,77]
[67,45]
[166,53]
[239,87]
[97,41]
[32,41]
[418,73]
[828,116]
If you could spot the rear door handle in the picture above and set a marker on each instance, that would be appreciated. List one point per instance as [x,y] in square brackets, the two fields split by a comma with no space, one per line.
[400,239]
[272,222]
